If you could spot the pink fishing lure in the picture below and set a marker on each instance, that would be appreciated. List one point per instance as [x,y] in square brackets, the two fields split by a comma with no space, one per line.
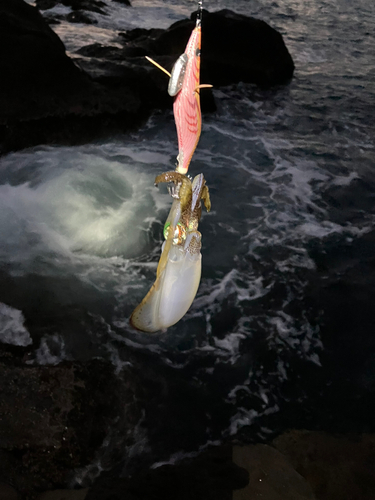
[186,106]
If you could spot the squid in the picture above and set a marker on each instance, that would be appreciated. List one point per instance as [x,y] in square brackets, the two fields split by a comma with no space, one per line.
[184,86]
[179,269]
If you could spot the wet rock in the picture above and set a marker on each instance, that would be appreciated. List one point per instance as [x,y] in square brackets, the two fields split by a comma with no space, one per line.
[7,492]
[210,476]
[44,96]
[88,5]
[47,97]
[336,466]
[235,47]
[272,476]
[79,16]
[64,495]
[46,4]
[256,54]
[124,2]
[53,419]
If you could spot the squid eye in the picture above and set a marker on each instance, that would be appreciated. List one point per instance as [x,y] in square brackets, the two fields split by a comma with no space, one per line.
[179,233]
[198,52]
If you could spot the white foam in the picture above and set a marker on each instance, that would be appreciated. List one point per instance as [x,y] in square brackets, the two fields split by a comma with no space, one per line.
[79,203]
[12,329]
[181,455]
[44,354]
[307,55]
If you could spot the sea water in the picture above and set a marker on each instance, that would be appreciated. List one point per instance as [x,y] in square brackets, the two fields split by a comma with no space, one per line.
[291,177]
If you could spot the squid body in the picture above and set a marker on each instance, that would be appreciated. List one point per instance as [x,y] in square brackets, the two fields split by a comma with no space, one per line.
[179,269]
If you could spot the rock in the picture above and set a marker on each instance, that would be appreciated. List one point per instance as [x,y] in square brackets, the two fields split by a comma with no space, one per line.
[256,54]
[78,16]
[209,476]
[88,5]
[235,48]
[7,492]
[272,477]
[53,419]
[124,2]
[44,96]
[32,62]
[63,495]
[335,466]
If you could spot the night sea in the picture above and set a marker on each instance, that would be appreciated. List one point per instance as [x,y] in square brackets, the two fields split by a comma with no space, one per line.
[281,333]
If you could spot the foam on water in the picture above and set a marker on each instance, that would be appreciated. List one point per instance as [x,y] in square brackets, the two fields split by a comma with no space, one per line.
[12,329]
[92,212]
[77,202]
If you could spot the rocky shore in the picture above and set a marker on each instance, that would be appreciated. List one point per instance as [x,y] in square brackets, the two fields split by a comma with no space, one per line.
[54,419]
[297,465]
[48,97]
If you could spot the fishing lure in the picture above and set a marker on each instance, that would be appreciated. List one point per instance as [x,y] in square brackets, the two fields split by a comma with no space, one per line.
[184,86]
[179,269]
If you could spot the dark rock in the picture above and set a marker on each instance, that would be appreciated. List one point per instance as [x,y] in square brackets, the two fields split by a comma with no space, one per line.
[33,63]
[251,51]
[234,48]
[336,466]
[7,492]
[79,16]
[89,5]
[44,96]
[64,495]
[210,476]
[141,34]
[46,4]
[124,2]
[54,418]
[272,476]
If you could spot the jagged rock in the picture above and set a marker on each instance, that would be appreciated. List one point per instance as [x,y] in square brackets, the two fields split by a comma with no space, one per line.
[53,419]
[7,492]
[46,97]
[272,477]
[210,476]
[336,466]
[124,2]
[89,5]
[235,47]
[78,16]
[256,54]
[63,495]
